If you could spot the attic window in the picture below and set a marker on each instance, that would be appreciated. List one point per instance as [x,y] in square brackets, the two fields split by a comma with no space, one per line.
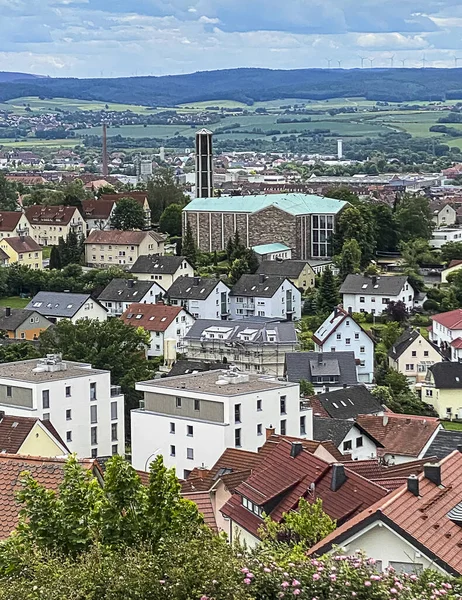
[266,288]
[130,315]
[15,424]
[334,405]
[253,287]
[457,378]
[188,290]
[69,306]
[120,292]
[342,403]
[202,290]
[139,316]
[135,292]
[455,514]
[164,319]
[37,304]
[364,286]
[152,318]
[221,472]
[254,508]
[49,305]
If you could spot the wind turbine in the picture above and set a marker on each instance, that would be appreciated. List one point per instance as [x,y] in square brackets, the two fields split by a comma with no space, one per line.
[424,62]
[329,62]
[403,61]
[392,60]
[371,60]
[363,58]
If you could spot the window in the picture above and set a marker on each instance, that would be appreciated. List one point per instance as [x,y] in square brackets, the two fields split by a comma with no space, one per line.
[115,449]
[113,411]
[190,453]
[348,341]
[409,367]
[385,300]
[172,451]
[68,414]
[237,438]
[197,405]
[356,336]
[283,427]
[172,427]
[189,430]
[347,446]
[178,402]
[259,404]
[359,442]
[92,391]
[362,299]
[114,435]
[237,413]
[46,417]
[93,414]
[68,391]
[362,349]
[425,352]
[410,568]
[302,425]
[93,436]
[282,403]
[94,452]
[428,392]
[259,429]
[45,398]
[339,336]
[68,436]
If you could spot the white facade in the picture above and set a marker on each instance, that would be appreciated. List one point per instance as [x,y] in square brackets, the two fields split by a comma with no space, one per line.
[174,335]
[443,236]
[376,305]
[115,307]
[445,216]
[215,306]
[286,303]
[165,279]
[191,426]
[86,411]
[442,336]
[358,445]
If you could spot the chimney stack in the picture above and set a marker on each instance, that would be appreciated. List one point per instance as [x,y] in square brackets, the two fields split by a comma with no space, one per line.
[7,311]
[270,431]
[374,279]
[261,278]
[338,477]
[130,283]
[432,472]
[385,420]
[196,281]
[295,449]
[105,160]
[413,485]
[320,358]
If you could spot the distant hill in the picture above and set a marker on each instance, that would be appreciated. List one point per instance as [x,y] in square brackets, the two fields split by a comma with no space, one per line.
[247,85]
[7,77]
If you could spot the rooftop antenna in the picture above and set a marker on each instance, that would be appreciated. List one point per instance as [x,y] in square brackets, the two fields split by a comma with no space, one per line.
[329,62]
[392,60]
[371,60]
[363,58]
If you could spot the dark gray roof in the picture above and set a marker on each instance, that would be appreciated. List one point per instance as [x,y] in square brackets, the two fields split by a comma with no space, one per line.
[447,375]
[125,290]
[153,263]
[16,318]
[298,366]
[185,367]
[283,268]
[350,402]
[333,430]
[192,288]
[257,286]
[368,286]
[284,330]
[58,304]
[403,342]
[444,443]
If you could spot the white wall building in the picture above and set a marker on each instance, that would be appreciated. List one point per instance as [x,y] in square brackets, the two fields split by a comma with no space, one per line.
[374,294]
[192,419]
[57,306]
[446,332]
[203,298]
[120,293]
[443,236]
[163,269]
[83,406]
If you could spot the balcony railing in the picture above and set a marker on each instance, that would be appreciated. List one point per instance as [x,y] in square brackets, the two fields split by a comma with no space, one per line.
[116,390]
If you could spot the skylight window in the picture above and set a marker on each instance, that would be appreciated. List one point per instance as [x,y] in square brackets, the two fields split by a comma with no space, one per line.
[188,290]
[164,319]
[152,318]
[69,306]
[364,286]
[139,316]
[130,315]
[49,305]
[37,304]
[334,405]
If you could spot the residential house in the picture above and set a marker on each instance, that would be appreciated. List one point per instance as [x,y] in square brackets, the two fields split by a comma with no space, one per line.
[192,419]
[83,406]
[51,222]
[163,269]
[414,528]
[22,324]
[253,346]
[274,251]
[349,437]
[22,250]
[340,332]
[167,326]
[443,213]
[445,442]
[13,224]
[298,272]
[120,293]
[107,248]
[403,437]
[327,371]
[4,258]
[202,297]
[139,197]
[443,236]
[30,436]
[97,214]
[261,296]
[412,354]
[349,402]
[56,306]
[442,389]
[446,332]
[452,267]
[373,294]
[288,474]
[320,265]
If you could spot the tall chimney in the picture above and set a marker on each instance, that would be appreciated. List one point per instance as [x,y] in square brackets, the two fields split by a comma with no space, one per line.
[7,311]
[413,484]
[295,449]
[204,164]
[432,472]
[105,163]
[338,477]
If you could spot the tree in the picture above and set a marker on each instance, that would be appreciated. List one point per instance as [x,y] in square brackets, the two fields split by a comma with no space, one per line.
[327,297]
[239,267]
[8,194]
[252,260]
[189,248]
[349,260]
[417,253]
[128,214]
[170,220]
[390,333]
[162,191]
[397,311]
[70,250]
[413,218]
[55,258]
[306,388]
[74,192]
[384,228]
[357,223]
[451,251]
[343,193]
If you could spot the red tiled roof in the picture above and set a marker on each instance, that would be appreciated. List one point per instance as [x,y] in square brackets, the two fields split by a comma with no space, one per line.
[40,214]
[457,343]
[153,317]
[204,505]
[26,179]
[23,244]
[127,238]
[450,320]
[422,520]
[370,469]
[400,434]
[139,197]
[318,408]
[9,220]
[14,431]
[454,263]
[97,209]
[309,445]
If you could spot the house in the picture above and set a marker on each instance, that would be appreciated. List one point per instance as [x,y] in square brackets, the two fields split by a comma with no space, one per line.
[442,389]
[22,324]
[56,306]
[167,326]
[97,214]
[30,436]
[83,406]
[140,198]
[452,267]
[349,437]
[261,296]
[349,402]
[320,265]
[327,371]
[414,528]
[163,269]
[49,223]
[22,250]
[13,224]
[373,294]
[412,355]
[120,293]
[403,437]
[192,419]
[340,332]
[445,442]
[443,236]
[274,251]
[253,346]
[446,332]
[443,214]
[288,474]
[298,272]
[202,297]
[107,248]
[303,222]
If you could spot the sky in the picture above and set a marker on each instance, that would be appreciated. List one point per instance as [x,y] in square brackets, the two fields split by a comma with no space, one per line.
[110,38]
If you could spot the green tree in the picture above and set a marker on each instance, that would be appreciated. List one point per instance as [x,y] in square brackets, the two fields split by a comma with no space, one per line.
[128,214]
[8,194]
[349,260]
[451,251]
[170,220]
[397,311]
[327,296]
[389,333]
[74,192]
[343,193]
[385,232]
[189,248]
[357,223]
[162,191]
[306,388]
[239,267]
[413,218]
[55,258]
[417,253]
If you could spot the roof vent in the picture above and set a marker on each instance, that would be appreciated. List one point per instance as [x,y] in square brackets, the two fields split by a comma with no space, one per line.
[51,364]
[413,485]
[338,477]
[432,472]
[295,449]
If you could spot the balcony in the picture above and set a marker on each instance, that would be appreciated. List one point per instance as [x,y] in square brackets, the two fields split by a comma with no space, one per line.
[116,390]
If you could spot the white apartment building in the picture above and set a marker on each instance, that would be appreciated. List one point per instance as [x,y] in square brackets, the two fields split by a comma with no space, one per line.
[122,248]
[83,406]
[57,306]
[13,224]
[446,332]
[120,293]
[163,269]
[443,236]
[191,419]
[341,333]
[373,294]
[203,298]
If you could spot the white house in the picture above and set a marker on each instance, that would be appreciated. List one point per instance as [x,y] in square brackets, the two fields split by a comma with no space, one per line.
[412,355]
[443,214]
[167,326]
[349,437]
[163,269]
[192,419]
[204,298]
[57,306]
[374,294]
[446,332]
[262,296]
[82,405]
[339,333]
[120,293]
[443,236]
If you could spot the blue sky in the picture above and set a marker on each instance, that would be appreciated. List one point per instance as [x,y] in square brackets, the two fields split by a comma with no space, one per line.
[90,38]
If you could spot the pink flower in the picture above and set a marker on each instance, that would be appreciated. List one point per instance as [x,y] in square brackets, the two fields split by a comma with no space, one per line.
[245,570]
[333,577]
[353,594]
[285,584]
[247,581]
[161,581]
[296,592]
[267,570]
[204,597]
[316,576]
[367,583]
[250,575]
[375,577]
[393,591]
[295,583]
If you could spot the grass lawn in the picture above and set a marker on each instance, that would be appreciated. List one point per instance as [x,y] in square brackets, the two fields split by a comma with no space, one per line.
[14,302]
[452,425]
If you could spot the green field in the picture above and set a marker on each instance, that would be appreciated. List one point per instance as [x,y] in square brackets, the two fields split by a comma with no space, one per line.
[19,105]
[452,425]
[14,302]
[35,143]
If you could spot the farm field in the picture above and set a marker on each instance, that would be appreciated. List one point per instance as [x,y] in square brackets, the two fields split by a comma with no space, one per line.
[36,143]
[49,105]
